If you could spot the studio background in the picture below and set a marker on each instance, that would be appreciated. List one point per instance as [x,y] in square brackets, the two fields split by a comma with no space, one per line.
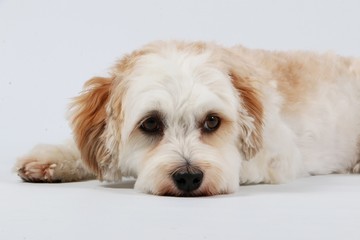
[48,49]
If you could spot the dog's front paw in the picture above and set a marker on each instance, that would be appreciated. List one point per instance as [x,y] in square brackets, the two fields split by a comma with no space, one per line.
[41,164]
[32,170]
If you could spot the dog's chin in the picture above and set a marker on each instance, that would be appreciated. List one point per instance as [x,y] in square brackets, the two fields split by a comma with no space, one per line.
[172,191]
[198,193]
[187,194]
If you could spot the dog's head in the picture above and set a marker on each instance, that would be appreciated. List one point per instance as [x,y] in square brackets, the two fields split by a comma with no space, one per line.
[180,117]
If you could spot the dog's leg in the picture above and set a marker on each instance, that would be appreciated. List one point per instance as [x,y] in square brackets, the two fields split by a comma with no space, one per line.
[356,167]
[53,163]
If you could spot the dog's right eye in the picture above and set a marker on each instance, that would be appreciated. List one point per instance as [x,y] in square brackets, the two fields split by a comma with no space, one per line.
[152,125]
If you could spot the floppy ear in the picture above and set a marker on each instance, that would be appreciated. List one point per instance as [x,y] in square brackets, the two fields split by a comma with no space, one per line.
[251,117]
[88,119]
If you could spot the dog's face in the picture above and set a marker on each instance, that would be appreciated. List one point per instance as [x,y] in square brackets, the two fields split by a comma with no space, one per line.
[173,115]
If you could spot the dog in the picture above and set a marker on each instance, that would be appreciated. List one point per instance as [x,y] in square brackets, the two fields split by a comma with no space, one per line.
[198,119]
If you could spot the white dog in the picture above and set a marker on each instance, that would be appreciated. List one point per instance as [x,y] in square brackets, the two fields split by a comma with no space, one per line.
[192,119]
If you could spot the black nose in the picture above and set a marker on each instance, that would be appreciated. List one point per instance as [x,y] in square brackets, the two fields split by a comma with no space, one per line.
[186,181]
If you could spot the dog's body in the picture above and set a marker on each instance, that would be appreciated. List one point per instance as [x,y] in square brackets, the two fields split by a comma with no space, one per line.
[197,119]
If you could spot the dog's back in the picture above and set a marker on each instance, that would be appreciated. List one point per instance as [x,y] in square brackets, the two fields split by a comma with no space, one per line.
[320,104]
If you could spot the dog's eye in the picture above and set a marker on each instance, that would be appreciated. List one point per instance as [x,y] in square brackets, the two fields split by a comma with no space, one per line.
[152,125]
[211,123]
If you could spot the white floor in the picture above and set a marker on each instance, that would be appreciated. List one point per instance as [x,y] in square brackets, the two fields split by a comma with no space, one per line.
[322,207]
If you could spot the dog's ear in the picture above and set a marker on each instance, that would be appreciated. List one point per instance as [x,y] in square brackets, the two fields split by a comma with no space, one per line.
[88,120]
[251,116]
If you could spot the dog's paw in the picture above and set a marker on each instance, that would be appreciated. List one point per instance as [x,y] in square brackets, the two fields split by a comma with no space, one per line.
[41,164]
[32,170]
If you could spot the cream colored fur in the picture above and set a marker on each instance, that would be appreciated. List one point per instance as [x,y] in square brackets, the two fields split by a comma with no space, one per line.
[283,115]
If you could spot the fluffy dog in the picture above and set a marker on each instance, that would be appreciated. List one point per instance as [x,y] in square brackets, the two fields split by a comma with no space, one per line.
[194,119]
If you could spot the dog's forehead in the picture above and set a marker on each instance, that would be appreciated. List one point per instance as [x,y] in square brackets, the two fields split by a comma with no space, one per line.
[178,83]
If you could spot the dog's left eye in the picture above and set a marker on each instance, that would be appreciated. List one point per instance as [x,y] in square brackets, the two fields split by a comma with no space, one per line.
[152,125]
[211,123]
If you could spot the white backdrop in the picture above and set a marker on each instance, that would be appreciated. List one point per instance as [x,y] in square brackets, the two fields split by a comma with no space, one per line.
[48,48]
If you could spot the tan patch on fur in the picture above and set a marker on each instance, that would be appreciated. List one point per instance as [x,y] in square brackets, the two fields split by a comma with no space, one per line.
[89,121]
[129,60]
[255,109]
[127,63]
[194,47]
[292,82]
[299,75]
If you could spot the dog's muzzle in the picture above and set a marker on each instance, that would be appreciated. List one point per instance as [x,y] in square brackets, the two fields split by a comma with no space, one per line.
[187,180]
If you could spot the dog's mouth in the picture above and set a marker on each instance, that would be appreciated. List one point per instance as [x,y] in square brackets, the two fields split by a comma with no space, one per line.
[172,190]
[186,194]
[202,192]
